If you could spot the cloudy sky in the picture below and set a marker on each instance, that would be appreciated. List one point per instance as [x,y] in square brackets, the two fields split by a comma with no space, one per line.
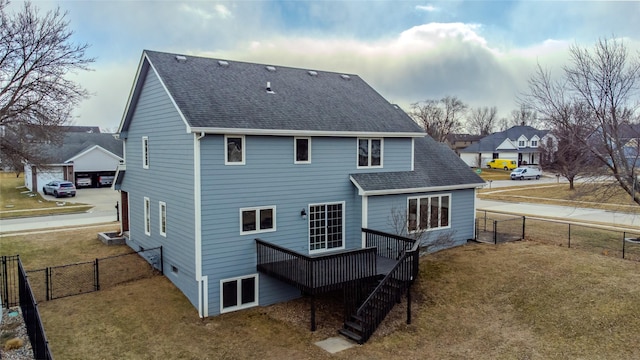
[480,51]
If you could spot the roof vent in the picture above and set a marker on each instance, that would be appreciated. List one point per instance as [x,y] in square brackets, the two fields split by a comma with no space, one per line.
[345,77]
[269,91]
[312,73]
[181,58]
[271,68]
[223,63]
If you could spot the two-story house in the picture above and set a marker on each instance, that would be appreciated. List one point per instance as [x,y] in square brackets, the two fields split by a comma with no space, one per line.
[262,183]
[519,143]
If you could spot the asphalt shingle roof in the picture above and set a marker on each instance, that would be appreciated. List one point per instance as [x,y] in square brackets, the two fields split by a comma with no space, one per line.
[234,95]
[435,165]
[74,143]
[490,142]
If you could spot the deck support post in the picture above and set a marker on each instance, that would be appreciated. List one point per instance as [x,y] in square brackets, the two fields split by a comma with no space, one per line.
[409,305]
[313,313]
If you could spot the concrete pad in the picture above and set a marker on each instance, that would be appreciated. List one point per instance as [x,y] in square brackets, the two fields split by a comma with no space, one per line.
[335,344]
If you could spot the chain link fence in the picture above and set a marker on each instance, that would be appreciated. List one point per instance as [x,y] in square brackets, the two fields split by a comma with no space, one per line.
[496,228]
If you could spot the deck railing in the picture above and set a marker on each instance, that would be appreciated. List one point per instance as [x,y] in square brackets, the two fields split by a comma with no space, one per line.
[382,299]
[315,274]
[387,245]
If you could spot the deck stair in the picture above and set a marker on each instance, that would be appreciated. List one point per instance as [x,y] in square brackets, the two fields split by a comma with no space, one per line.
[361,324]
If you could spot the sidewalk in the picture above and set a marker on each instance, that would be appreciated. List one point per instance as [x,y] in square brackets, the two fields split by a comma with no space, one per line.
[618,220]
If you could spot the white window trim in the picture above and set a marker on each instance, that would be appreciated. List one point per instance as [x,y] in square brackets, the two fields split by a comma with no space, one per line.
[295,150]
[226,151]
[344,222]
[418,198]
[147,216]
[162,204]
[241,306]
[145,152]
[257,210]
[358,166]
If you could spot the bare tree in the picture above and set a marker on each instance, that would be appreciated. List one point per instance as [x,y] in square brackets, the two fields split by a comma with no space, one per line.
[482,120]
[604,81]
[439,117]
[36,55]
[523,116]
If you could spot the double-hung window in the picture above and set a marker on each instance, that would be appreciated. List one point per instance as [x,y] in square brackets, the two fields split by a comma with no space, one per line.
[163,218]
[428,212]
[234,150]
[147,216]
[145,152]
[302,150]
[534,143]
[369,152]
[326,227]
[257,219]
[522,143]
[238,293]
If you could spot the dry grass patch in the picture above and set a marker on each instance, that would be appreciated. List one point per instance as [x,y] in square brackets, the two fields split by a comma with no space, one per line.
[41,249]
[494,174]
[511,301]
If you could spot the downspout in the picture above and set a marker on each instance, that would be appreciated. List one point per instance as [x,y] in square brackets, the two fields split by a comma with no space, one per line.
[203,291]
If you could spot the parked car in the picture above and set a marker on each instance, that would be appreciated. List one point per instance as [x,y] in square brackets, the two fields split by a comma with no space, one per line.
[105,180]
[502,164]
[59,188]
[84,181]
[526,172]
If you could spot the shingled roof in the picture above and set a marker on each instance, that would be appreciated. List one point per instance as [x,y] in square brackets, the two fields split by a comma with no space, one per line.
[215,95]
[491,142]
[74,143]
[436,167]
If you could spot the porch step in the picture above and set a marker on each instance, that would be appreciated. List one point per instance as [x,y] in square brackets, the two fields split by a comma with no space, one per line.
[351,335]
[353,325]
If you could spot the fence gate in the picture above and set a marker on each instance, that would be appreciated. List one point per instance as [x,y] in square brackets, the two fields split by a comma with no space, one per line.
[499,231]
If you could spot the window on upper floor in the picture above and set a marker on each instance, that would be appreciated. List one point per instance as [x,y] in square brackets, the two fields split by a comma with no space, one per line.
[428,212]
[234,150]
[302,150]
[534,143]
[147,216]
[238,293]
[521,143]
[163,218]
[369,152]
[257,220]
[145,152]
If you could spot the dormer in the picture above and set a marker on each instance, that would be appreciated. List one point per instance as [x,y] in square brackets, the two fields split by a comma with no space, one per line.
[534,142]
[522,141]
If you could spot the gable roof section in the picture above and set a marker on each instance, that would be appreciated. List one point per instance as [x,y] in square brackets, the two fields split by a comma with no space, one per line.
[218,96]
[491,142]
[77,143]
[436,168]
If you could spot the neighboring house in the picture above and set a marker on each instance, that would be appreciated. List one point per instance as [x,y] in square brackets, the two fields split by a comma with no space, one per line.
[80,155]
[460,141]
[520,143]
[219,154]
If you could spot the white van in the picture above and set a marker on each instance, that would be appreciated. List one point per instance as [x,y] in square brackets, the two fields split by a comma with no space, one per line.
[526,172]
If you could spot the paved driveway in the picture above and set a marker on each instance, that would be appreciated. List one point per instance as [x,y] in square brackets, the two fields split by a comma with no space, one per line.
[104,199]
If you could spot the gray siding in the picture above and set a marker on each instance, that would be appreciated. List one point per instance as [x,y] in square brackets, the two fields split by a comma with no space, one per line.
[462,214]
[270,178]
[170,179]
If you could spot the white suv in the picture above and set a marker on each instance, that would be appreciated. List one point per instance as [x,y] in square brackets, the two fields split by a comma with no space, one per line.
[59,188]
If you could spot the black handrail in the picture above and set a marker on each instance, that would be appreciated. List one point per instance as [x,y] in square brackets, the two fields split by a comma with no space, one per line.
[315,274]
[388,291]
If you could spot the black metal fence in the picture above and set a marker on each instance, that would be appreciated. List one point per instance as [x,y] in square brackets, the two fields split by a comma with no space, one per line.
[31,315]
[605,240]
[499,229]
[56,282]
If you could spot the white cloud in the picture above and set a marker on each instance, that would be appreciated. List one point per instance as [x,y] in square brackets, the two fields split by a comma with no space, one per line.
[427,8]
